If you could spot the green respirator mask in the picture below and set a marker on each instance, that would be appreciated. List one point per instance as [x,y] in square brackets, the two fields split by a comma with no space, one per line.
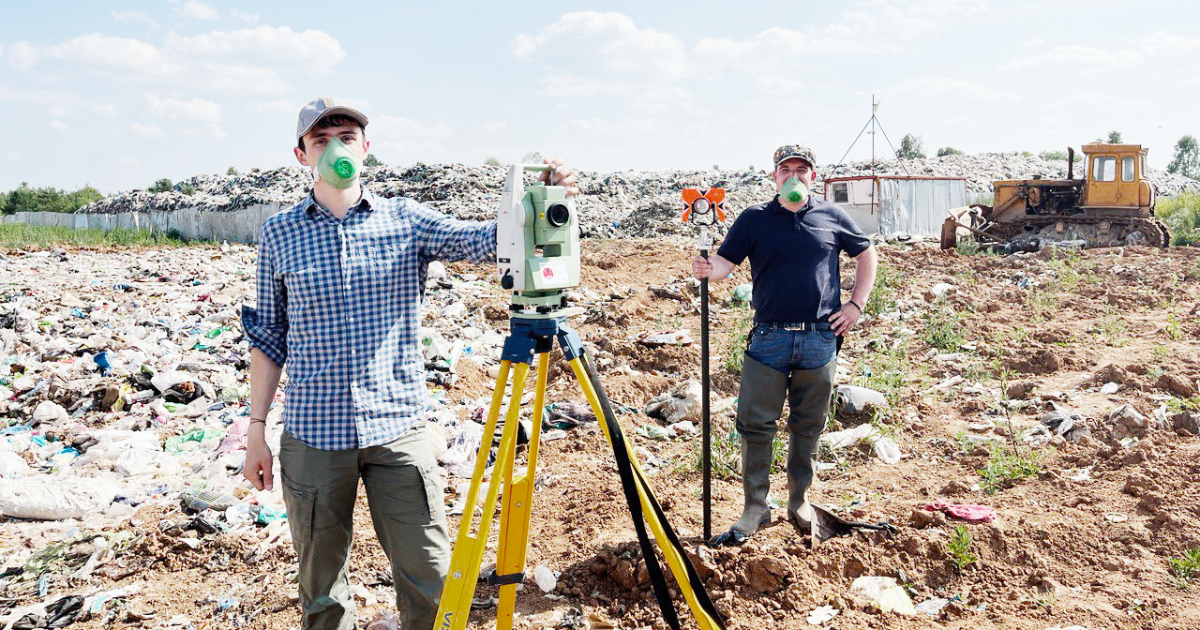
[338,165]
[793,191]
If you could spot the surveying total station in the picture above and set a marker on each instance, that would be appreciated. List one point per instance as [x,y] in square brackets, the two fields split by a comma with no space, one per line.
[537,255]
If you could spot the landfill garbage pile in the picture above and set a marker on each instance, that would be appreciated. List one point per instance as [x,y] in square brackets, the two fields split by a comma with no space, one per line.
[612,205]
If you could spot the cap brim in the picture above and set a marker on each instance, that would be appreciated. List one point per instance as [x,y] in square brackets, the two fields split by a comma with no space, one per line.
[796,157]
[335,111]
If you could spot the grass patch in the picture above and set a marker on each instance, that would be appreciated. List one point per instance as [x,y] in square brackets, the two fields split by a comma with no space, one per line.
[1186,568]
[22,236]
[943,328]
[1112,328]
[970,246]
[1181,214]
[959,548]
[1007,467]
[743,322]
[888,282]
[726,457]
[1041,302]
[1174,328]
[885,370]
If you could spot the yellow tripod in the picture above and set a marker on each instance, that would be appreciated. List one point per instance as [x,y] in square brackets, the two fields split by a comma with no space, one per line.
[529,335]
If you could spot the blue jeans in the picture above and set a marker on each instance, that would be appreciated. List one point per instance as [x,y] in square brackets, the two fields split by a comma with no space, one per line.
[787,350]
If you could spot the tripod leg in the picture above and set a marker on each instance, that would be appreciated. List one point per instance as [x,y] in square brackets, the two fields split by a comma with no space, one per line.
[515,510]
[668,543]
[455,606]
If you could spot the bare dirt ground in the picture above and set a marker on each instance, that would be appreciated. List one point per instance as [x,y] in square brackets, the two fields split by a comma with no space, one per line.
[1084,540]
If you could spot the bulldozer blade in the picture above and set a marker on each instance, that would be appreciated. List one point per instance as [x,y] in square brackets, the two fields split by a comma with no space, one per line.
[825,525]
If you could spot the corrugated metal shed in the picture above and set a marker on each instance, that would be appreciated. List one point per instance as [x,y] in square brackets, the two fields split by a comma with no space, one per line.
[897,204]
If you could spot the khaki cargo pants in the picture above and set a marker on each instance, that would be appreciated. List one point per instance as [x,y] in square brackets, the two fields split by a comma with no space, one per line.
[404,491]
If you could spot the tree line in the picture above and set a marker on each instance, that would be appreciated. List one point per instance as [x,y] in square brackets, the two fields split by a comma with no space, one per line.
[27,199]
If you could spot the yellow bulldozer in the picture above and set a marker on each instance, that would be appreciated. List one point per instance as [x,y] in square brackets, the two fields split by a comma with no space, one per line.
[1112,205]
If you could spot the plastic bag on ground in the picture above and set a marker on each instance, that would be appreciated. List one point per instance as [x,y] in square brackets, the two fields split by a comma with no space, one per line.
[54,498]
[850,437]
[11,465]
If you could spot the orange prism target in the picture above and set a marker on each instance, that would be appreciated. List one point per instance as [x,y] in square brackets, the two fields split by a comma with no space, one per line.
[700,207]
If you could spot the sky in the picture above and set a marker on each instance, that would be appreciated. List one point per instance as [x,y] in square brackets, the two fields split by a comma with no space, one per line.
[117,95]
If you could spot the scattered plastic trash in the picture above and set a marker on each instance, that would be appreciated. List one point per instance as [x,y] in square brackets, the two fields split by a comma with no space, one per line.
[666,338]
[966,511]
[743,293]
[895,599]
[545,578]
[821,614]
[867,589]
[853,399]
[683,403]
[53,498]
[932,607]
[1109,388]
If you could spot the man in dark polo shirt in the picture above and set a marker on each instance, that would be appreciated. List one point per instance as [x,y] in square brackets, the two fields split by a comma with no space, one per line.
[793,243]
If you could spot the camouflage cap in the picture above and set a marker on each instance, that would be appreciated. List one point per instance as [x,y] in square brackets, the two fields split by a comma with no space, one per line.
[788,151]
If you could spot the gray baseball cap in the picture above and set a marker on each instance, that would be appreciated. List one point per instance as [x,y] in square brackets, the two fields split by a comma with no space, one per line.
[322,107]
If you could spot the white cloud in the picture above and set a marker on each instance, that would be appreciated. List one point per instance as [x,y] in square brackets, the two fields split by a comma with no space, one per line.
[945,88]
[247,17]
[1032,43]
[626,127]
[496,126]
[211,130]
[58,126]
[117,52]
[279,106]
[777,84]
[242,78]
[197,10]
[13,155]
[21,55]
[195,109]
[400,133]
[107,110]
[278,46]
[59,111]
[134,16]
[1137,51]
[148,130]
[612,45]
[32,97]
[1072,57]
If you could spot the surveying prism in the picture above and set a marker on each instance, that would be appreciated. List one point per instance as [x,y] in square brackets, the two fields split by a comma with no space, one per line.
[704,209]
[537,256]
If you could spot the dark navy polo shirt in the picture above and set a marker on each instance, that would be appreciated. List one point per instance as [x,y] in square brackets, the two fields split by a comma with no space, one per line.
[794,258]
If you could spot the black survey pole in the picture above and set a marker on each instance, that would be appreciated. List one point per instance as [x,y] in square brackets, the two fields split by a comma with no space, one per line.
[705,425]
[704,209]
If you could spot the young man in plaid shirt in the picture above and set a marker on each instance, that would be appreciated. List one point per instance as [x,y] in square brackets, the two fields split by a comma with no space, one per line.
[339,285]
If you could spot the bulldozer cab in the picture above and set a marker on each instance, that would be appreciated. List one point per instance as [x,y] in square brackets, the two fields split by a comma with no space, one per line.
[1115,177]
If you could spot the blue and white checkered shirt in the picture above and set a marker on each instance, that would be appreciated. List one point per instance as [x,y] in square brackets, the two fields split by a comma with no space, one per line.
[339,302]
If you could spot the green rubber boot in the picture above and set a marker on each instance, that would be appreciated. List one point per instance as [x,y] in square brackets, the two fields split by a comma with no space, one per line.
[760,404]
[809,393]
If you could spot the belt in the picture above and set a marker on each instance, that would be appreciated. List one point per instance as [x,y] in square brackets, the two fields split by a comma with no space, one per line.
[796,326]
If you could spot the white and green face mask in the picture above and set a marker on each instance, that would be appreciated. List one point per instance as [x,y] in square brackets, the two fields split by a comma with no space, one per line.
[793,191]
[338,165]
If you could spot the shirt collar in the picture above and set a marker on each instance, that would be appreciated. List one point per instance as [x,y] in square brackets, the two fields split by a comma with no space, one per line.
[315,210]
[777,207]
